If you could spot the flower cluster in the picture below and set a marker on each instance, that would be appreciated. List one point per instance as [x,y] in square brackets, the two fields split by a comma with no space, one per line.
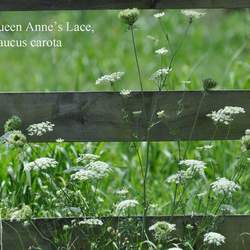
[245,141]
[162,229]
[93,171]
[224,186]
[129,16]
[160,74]
[162,51]
[40,129]
[225,115]
[193,13]
[195,167]
[14,123]
[179,178]
[93,222]
[15,138]
[212,238]
[20,214]
[41,164]
[126,204]
[112,78]
[125,92]
[87,158]
[159,15]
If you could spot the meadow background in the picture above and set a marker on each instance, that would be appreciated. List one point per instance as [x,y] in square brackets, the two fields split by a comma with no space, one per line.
[217,46]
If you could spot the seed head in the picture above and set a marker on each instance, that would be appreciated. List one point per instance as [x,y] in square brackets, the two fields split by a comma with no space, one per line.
[129,16]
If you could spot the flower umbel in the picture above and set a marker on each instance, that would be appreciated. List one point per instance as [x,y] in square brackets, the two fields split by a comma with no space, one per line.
[195,167]
[212,238]
[16,139]
[129,16]
[162,229]
[14,123]
[160,74]
[224,186]
[193,13]
[225,115]
[41,164]
[112,78]
[40,129]
[125,205]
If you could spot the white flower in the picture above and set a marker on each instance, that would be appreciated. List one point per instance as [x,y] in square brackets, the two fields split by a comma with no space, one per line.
[159,15]
[161,73]
[126,204]
[163,225]
[225,208]
[175,248]
[194,167]
[214,239]
[226,114]
[110,78]
[94,222]
[193,13]
[87,158]
[161,114]
[59,140]
[162,51]
[177,178]
[40,129]
[41,164]
[224,186]
[92,171]
[125,92]
[123,191]
[205,147]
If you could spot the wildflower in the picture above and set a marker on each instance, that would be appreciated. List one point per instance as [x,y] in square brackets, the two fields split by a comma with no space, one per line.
[93,171]
[16,139]
[245,141]
[21,214]
[129,16]
[93,222]
[162,51]
[194,167]
[162,229]
[123,191]
[59,140]
[226,114]
[214,239]
[209,84]
[112,78]
[41,164]
[159,15]
[205,147]
[66,227]
[193,13]
[14,123]
[178,178]
[40,129]
[224,186]
[175,248]
[227,209]
[125,92]
[161,73]
[87,158]
[161,114]
[126,204]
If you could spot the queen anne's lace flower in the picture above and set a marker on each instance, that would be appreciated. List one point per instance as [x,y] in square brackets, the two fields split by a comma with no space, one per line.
[41,164]
[162,229]
[112,78]
[161,73]
[159,15]
[214,239]
[129,16]
[94,222]
[224,186]
[87,158]
[15,139]
[193,13]
[162,51]
[175,248]
[40,129]
[125,92]
[92,171]
[123,191]
[178,178]
[194,167]
[226,114]
[126,204]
